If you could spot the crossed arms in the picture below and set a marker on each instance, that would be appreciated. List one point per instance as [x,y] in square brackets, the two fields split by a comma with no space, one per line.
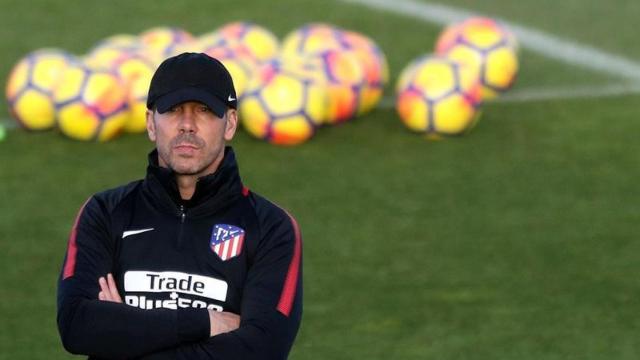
[92,319]
[220,322]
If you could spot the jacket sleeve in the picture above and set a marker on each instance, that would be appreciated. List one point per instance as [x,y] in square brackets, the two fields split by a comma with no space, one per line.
[271,307]
[110,330]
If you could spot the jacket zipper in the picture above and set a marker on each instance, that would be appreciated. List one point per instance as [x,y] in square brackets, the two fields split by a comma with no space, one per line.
[182,216]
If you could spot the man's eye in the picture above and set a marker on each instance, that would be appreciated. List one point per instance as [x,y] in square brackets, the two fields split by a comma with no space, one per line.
[205,109]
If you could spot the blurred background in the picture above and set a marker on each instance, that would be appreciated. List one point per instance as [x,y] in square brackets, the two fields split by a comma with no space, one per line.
[515,240]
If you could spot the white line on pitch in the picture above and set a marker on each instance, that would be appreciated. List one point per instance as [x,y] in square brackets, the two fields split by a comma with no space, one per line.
[575,92]
[543,43]
[551,93]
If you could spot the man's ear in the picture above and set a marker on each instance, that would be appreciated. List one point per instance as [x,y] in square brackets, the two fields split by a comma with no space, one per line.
[151,126]
[231,124]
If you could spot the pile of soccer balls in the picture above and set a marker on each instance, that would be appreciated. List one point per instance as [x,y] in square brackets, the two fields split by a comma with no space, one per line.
[440,95]
[318,75]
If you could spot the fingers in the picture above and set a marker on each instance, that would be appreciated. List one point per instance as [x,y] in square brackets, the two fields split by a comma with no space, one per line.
[222,322]
[104,290]
[113,288]
[233,320]
[108,289]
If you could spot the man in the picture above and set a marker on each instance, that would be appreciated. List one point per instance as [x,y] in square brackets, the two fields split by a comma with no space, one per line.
[186,263]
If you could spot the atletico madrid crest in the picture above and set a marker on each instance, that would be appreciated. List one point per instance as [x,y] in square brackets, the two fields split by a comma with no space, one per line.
[226,241]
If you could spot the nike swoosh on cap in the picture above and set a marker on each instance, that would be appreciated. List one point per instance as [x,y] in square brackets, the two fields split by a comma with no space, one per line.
[134,232]
[231,98]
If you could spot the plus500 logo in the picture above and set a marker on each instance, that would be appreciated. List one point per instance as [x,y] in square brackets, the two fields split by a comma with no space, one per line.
[176,285]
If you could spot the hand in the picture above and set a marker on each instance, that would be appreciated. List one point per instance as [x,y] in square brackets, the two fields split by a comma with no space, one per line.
[109,291]
[222,322]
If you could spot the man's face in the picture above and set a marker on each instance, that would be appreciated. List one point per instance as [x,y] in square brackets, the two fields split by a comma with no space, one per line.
[190,138]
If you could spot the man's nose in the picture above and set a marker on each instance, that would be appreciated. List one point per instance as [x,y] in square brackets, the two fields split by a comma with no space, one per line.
[187,121]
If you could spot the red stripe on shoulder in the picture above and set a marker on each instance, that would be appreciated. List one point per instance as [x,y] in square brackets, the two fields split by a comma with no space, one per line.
[72,249]
[245,191]
[291,281]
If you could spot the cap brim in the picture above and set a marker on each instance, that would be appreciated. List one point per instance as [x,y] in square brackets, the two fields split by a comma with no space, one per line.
[167,101]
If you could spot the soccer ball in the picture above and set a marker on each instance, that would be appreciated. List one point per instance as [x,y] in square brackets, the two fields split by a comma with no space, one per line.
[438,97]
[245,38]
[30,87]
[312,38]
[160,42]
[482,29]
[374,63]
[486,46]
[284,103]
[318,38]
[135,72]
[108,50]
[338,63]
[240,65]
[122,41]
[345,80]
[91,104]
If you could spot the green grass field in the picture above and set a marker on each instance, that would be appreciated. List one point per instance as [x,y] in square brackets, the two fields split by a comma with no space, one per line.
[517,241]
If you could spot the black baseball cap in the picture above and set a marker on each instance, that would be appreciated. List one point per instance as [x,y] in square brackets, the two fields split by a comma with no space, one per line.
[192,77]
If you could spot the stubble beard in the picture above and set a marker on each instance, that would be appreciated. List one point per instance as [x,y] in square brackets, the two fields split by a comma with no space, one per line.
[187,165]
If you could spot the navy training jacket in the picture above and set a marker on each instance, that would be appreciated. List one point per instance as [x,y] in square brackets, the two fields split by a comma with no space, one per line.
[226,249]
